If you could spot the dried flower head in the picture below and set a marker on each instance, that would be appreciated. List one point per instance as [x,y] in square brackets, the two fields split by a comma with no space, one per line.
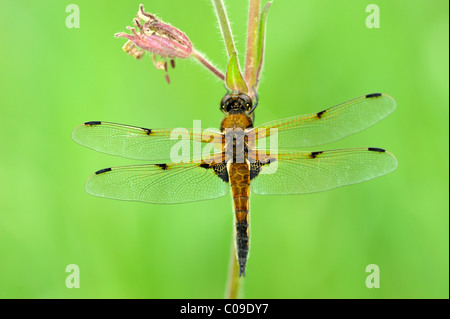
[161,39]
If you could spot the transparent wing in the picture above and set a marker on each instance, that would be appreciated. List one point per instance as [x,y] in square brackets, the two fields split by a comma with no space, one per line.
[310,172]
[142,143]
[158,183]
[329,125]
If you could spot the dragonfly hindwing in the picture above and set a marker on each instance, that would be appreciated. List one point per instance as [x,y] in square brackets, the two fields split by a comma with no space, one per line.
[220,169]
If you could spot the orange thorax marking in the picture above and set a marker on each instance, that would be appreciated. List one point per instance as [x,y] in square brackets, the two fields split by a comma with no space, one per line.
[235,121]
[233,127]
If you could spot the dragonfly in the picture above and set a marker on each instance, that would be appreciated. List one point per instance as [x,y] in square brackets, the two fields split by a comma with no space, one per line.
[240,163]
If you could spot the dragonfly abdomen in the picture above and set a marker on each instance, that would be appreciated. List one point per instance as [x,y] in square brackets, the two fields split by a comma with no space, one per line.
[242,240]
[239,175]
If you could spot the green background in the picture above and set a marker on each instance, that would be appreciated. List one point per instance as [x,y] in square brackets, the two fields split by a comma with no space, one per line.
[318,54]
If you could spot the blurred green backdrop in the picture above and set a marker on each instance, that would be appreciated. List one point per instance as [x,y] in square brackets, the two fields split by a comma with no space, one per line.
[318,54]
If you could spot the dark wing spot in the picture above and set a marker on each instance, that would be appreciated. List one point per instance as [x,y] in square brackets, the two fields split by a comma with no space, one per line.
[205,165]
[375,149]
[103,171]
[320,114]
[221,171]
[315,154]
[91,123]
[163,166]
[147,130]
[255,169]
[368,96]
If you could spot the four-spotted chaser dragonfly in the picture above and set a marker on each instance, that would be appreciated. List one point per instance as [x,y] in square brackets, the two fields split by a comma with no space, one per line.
[297,172]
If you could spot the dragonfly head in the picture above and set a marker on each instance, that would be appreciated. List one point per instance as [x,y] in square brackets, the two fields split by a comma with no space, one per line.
[236,103]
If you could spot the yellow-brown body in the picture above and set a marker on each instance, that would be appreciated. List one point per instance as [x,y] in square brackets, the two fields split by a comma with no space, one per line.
[239,177]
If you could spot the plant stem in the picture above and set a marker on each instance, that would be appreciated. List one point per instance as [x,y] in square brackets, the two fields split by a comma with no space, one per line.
[252,45]
[234,283]
[224,26]
[261,40]
[208,65]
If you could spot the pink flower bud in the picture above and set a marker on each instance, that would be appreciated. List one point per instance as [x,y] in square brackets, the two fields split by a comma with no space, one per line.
[157,37]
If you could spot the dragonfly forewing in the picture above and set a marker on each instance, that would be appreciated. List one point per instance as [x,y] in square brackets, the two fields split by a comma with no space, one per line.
[141,143]
[331,124]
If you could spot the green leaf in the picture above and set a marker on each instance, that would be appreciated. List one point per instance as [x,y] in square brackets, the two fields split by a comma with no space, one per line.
[234,80]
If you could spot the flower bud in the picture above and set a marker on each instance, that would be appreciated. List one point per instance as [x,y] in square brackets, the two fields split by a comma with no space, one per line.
[157,37]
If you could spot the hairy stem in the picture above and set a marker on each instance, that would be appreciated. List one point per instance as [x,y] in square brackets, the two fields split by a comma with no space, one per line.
[224,26]
[261,40]
[252,45]
[208,65]
[234,283]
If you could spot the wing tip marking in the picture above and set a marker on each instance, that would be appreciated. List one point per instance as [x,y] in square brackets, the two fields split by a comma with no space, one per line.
[376,149]
[92,123]
[368,96]
[104,170]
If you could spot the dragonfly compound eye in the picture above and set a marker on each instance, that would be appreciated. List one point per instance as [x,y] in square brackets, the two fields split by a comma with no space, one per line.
[224,102]
[247,101]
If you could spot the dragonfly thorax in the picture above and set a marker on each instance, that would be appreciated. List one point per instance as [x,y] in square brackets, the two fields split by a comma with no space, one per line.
[236,147]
